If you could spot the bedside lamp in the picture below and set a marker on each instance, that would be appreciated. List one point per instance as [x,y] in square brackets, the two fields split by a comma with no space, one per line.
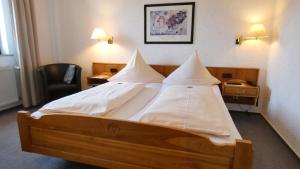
[257,31]
[100,35]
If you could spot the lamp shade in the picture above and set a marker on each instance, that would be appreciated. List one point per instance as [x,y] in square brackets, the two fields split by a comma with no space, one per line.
[257,30]
[99,34]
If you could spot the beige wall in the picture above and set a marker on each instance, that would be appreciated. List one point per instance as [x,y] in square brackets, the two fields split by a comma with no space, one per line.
[283,81]
[45,31]
[65,26]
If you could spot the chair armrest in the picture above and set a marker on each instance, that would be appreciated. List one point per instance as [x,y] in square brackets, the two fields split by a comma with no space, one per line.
[77,77]
[44,80]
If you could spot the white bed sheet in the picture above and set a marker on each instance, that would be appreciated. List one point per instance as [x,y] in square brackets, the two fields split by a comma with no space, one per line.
[129,108]
[234,134]
[137,103]
[96,101]
[135,108]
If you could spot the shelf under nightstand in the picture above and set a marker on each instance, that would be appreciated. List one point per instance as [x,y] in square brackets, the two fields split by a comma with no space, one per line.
[240,94]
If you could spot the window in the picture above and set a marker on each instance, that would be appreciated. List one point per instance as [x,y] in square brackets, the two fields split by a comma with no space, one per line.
[6,29]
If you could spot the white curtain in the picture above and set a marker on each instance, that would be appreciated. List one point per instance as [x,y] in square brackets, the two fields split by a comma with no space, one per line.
[27,51]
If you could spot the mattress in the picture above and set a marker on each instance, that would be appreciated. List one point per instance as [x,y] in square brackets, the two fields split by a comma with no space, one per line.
[135,109]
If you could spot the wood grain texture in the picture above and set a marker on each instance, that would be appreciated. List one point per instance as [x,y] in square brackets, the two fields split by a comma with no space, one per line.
[243,155]
[248,74]
[246,91]
[24,131]
[122,144]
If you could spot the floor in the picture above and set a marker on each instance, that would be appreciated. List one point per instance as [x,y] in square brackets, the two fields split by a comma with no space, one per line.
[270,152]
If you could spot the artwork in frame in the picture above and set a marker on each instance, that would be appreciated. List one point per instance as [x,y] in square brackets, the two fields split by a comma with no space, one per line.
[171,23]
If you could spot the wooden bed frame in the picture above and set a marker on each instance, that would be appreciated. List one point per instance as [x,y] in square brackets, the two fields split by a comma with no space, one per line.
[129,145]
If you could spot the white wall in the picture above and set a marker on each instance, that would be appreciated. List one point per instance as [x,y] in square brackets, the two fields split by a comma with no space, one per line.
[67,25]
[283,79]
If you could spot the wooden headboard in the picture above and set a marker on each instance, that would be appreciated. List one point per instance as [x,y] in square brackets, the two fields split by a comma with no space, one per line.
[222,73]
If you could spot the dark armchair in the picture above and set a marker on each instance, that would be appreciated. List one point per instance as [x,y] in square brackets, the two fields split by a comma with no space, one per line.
[52,78]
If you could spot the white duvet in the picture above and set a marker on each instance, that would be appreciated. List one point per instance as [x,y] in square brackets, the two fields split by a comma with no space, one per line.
[95,101]
[193,108]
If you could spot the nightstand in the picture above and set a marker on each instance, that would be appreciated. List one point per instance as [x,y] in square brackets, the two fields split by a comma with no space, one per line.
[240,93]
[98,79]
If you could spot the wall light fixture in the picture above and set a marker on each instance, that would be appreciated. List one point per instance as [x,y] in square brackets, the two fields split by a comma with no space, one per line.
[257,31]
[100,35]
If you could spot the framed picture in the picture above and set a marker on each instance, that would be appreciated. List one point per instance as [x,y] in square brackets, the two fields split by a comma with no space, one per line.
[171,23]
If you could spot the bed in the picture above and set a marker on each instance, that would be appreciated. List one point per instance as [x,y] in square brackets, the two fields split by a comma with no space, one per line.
[118,143]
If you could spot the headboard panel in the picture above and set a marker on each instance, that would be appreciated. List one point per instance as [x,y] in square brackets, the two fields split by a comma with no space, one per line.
[247,74]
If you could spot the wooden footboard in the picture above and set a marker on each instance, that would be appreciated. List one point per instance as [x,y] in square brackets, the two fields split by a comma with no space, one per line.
[127,145]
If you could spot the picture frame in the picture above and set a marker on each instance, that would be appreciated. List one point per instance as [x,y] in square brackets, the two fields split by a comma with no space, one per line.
[169,23]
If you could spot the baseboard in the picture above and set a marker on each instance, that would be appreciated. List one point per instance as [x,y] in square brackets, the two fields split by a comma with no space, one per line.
[10,105]
[278,132]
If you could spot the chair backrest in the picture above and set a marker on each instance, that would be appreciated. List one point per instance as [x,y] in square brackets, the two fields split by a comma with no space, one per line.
[56,72]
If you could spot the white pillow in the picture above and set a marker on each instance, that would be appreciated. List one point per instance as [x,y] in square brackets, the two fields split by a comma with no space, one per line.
[137,71]
[192,72]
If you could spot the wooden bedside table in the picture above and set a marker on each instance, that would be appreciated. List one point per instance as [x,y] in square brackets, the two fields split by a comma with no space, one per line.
[240,93]
[98,79]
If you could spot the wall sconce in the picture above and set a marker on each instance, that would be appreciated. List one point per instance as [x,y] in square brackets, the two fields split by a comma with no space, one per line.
[257,31]
[100,35]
